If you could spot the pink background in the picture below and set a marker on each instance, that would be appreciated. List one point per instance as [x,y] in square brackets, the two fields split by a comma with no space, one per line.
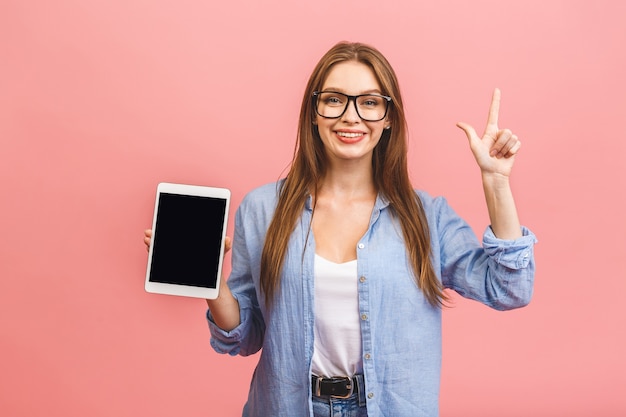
[101,100]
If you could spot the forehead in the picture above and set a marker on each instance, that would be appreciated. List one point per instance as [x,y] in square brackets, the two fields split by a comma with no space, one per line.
[351,77]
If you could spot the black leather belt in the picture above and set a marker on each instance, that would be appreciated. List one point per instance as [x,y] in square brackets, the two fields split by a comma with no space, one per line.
[337,387]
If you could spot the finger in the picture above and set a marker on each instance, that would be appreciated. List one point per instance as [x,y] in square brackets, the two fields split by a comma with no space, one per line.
[147,238]
[228,243]
[494,109]
[468,129]
[514,150]
[506,149]
[501,144]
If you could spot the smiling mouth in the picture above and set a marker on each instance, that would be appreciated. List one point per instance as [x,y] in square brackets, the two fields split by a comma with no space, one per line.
[349,135]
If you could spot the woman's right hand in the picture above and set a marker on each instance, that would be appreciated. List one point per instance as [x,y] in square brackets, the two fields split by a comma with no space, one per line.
[147,238]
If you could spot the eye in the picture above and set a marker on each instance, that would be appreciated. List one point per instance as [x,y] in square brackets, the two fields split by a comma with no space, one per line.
[332,99]
[370,101]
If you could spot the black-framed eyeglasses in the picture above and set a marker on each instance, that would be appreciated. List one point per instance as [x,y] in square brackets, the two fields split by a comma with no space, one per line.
[369,107]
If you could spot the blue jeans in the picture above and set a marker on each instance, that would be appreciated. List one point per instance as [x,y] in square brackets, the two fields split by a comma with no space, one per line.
[353,406]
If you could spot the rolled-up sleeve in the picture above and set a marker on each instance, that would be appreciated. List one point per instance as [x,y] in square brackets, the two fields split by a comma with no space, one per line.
[513,254]
[499,273]
[238,340]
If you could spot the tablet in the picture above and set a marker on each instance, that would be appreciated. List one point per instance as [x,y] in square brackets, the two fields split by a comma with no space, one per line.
[187,247]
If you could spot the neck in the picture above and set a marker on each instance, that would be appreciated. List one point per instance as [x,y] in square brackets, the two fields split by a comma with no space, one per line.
[348,179]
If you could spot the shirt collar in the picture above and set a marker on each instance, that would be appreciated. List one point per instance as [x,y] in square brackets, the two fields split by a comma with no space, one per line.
[381,202]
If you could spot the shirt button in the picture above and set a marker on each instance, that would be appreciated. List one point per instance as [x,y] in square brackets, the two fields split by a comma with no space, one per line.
[370,395]
[362,279]
[361,245]
[368,356]
[363,316]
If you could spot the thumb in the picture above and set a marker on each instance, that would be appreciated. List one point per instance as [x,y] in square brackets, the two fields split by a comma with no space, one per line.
[228,244]
[468,129]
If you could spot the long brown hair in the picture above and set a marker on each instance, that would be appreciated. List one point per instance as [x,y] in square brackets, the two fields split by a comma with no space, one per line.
[390,172]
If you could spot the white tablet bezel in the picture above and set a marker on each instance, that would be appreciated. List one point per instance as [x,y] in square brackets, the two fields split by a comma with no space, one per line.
[182,289]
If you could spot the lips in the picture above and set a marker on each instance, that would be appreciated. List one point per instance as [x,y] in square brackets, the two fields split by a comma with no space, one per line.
[349,137]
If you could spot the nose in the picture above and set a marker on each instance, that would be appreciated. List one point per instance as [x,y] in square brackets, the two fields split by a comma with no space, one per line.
[351,115]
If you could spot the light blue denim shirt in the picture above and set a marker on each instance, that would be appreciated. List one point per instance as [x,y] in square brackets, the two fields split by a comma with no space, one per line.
[400,330]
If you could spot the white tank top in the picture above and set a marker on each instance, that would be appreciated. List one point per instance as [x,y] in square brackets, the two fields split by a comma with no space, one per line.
[337,347]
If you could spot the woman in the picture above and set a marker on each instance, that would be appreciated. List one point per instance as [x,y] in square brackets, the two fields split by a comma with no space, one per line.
[338,270]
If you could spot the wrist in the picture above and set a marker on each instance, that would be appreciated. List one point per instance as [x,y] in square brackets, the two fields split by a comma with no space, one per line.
[495,181]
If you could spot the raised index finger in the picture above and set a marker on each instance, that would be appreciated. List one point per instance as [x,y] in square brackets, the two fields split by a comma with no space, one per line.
[494,109]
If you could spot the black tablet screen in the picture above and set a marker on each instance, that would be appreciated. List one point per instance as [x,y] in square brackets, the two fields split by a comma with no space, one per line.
[187,240]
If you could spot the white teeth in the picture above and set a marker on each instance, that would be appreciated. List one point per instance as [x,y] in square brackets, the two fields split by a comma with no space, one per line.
[349,135]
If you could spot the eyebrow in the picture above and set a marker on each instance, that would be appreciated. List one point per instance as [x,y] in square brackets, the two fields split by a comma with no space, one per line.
[341,90]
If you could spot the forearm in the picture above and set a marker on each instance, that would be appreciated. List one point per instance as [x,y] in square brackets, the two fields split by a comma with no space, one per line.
[501,206]
[225,309]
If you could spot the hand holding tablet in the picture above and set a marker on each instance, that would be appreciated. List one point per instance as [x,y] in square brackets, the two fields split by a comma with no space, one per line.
[188,240]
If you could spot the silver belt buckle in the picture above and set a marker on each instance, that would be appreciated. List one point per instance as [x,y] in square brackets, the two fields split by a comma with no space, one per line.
[318,383]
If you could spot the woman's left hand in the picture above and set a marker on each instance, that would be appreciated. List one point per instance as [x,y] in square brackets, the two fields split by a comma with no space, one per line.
[495,151]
